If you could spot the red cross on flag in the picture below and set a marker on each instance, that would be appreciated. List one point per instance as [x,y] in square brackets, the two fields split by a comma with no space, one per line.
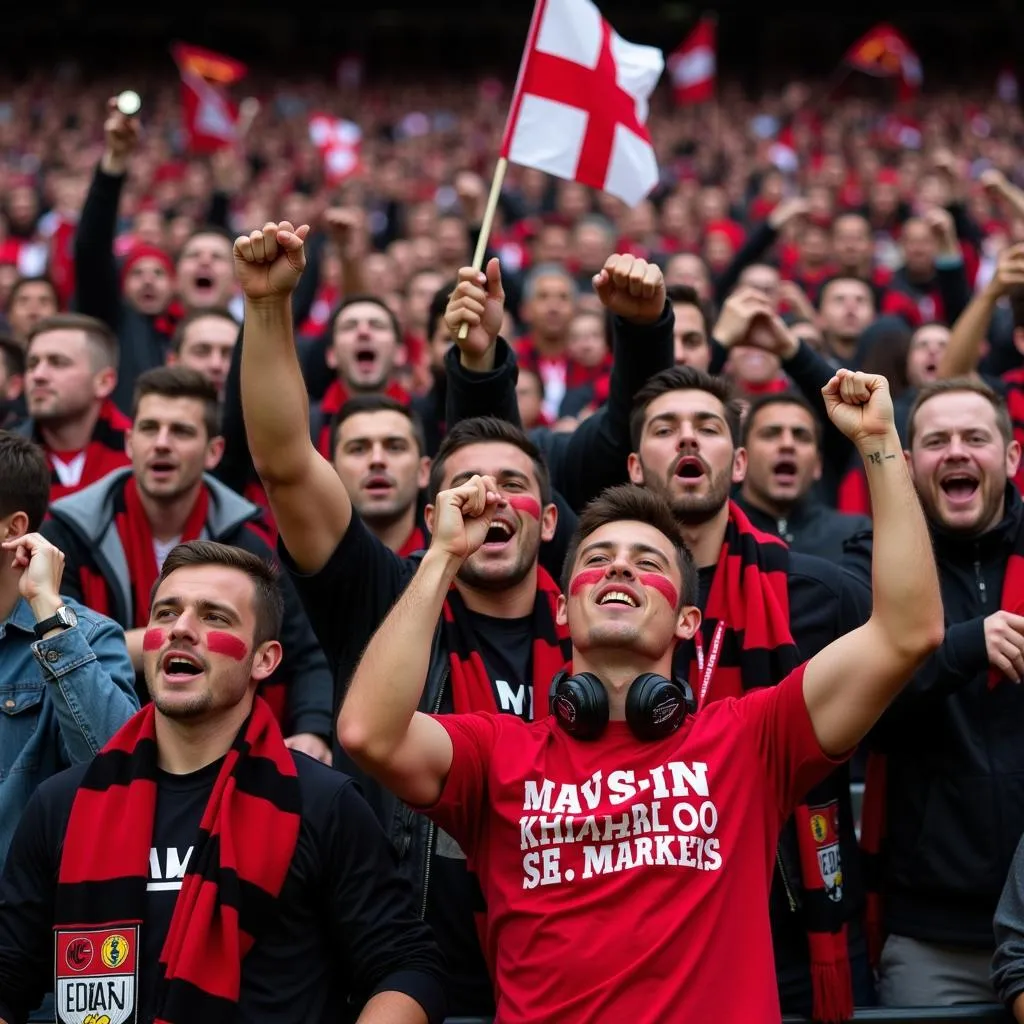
[580,107]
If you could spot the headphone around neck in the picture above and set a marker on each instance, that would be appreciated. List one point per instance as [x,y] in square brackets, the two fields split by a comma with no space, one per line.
[655,706]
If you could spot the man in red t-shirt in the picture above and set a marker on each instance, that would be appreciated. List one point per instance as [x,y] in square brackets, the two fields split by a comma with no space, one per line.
[624,846]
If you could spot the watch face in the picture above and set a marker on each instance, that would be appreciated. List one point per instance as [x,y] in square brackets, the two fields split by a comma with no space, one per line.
[67,616]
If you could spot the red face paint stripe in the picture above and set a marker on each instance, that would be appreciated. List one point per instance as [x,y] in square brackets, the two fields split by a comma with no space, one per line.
[659,583]
[218,642]
[525,503]
[585,578]
[153,639]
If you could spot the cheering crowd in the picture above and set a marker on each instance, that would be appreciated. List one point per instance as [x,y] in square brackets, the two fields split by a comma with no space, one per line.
[388,638]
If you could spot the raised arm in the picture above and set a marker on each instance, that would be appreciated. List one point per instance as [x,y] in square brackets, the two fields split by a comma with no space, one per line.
[309,501]
[97,290]
[408,752]
[850,683]
[963,352]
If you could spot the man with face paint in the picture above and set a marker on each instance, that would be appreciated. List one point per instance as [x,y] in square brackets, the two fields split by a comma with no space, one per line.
[621,814]
[497,641]
[686,434]
[116,534]
[199,870]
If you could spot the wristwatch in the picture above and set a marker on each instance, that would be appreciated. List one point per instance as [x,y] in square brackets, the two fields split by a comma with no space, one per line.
[64,618]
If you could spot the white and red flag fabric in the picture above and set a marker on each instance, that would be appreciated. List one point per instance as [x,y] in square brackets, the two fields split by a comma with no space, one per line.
[210,117]
[339,142]
[693,65]
[580,106]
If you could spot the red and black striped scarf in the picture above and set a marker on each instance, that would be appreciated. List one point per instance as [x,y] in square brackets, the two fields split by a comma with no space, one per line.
[1014,381]
[472,689]
[245,845]
[746,641]
[874,810]
[335,397]
[137,541]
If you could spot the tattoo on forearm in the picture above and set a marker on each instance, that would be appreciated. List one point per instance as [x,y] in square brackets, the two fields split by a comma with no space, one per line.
[875,458]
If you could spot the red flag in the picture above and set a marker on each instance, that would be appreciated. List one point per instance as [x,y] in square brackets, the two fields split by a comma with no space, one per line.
[693,65]
[883,52]
[339,142]
[210,116]
[580,106]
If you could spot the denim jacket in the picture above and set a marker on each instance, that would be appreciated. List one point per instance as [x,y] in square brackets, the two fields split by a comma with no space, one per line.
[61,699]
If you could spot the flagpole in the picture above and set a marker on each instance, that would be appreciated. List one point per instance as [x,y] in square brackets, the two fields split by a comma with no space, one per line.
[485,225]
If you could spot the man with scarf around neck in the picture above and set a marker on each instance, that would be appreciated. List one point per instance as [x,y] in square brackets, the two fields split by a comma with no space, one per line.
[116,534]
[199,870]
[944,795]
[496,643]
[622,814]
[71,366]
[764,608]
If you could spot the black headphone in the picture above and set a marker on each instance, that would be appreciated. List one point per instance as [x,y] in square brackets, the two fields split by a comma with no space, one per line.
[655,706]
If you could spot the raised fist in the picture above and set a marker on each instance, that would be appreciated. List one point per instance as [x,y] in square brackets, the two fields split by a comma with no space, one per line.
[269,262]
[631,288]
[462,516]
[859,404]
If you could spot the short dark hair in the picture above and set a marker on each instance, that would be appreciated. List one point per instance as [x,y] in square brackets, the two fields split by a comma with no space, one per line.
[32,279]
[953,385]
[828,282]
[268,604]
[781,398]
[438,304]
[375,300]
[179,382]
[378,403]
[485,430]
[686,295]
[641,505]
[178,338]
[13,356]
[101,340]
[211,229]
[683,378]
[24,479]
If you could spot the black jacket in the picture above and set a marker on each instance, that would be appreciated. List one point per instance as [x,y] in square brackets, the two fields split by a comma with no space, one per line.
[82,526]
[811,527]
[955,756]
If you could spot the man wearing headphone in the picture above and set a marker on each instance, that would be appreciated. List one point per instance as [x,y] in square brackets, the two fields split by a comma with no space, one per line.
[623,844]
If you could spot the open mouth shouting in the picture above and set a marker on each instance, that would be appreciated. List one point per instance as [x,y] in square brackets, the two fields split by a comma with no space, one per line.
[959,487]
[500,534]
[691,469]
[180,667]
[204,286]
[784,473]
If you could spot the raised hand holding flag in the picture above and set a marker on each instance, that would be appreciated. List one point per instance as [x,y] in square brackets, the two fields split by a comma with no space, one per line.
[579,110]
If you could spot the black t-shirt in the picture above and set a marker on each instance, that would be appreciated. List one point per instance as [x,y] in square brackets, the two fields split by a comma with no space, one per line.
[345,928]
[454,895]
[333,598]
[180,802]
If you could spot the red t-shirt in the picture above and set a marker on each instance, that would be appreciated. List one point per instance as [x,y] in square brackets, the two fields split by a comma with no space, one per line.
[629,881]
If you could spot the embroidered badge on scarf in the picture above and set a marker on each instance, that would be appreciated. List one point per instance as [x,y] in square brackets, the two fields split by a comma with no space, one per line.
[96,975]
